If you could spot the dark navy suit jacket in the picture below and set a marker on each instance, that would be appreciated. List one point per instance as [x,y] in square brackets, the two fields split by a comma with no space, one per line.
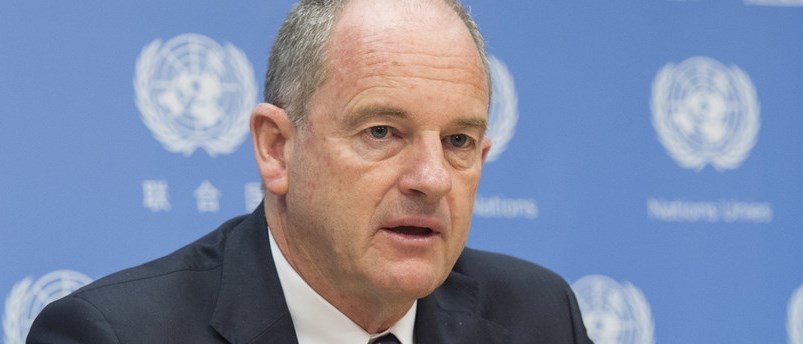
[224,288]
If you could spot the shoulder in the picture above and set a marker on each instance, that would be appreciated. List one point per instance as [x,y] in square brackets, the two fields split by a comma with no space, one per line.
[534,303]
[508,286]
[204,254]
[179,289]
[72,318]
[504,271]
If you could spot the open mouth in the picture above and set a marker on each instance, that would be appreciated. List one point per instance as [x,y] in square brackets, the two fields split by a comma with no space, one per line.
[412,231]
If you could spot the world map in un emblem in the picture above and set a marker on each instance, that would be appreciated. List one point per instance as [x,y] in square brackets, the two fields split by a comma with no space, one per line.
[194,93]
[794,320]
[705,113]
[614,313]
[503,113]
[28,297]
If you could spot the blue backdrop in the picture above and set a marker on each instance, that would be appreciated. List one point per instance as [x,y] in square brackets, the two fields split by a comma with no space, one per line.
[647,151]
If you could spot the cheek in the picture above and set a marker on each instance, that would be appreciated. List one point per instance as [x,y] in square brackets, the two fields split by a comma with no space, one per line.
[360,180]
[319,164]
[466,183]
[461,201]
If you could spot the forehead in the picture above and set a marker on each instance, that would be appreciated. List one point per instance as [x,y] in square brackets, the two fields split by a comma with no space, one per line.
[403,37]
[383,13]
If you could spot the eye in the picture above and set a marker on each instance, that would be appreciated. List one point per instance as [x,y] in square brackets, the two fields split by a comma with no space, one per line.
[459,140]
[379,132]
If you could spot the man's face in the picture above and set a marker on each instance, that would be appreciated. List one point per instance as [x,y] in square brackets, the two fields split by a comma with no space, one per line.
[382,178]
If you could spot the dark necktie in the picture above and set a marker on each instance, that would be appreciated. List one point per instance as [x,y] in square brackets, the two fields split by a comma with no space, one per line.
[386,339]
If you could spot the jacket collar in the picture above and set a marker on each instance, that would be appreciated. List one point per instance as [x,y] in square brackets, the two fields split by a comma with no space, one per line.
[450,315]
[250,306]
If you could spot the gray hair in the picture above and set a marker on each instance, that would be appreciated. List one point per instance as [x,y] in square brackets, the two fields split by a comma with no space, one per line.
[297,64]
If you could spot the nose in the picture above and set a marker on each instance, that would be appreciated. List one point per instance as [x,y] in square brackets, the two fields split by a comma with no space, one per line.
[425,173]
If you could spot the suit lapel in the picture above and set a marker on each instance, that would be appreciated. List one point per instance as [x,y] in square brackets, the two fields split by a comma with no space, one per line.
[250,306]
[449,315]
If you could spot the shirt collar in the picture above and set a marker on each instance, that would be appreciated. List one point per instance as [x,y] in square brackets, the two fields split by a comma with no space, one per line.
[316,321]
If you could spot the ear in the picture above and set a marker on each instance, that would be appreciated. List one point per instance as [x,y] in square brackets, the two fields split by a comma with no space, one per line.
[486,147]
[271,131]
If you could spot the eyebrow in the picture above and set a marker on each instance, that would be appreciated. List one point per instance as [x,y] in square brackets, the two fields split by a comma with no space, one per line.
[473,123]
[365,114]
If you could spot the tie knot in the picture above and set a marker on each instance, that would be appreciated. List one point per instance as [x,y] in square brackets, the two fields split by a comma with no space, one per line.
[386,339]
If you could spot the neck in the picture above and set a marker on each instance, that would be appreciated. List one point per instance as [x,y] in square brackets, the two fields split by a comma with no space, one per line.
[374,311]
[373,316]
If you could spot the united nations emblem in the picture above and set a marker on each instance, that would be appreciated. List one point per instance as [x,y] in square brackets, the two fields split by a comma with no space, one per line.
[503,113]
[193,93]
[614,313]
[794,320]
[28,298]
[705,113]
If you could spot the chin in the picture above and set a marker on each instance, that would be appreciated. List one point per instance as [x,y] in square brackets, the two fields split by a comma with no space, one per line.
[413,280]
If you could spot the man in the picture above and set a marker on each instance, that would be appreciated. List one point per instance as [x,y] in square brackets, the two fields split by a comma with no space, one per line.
[370,146]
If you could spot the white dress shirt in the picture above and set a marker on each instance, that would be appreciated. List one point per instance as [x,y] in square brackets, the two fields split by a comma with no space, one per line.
[316,321]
